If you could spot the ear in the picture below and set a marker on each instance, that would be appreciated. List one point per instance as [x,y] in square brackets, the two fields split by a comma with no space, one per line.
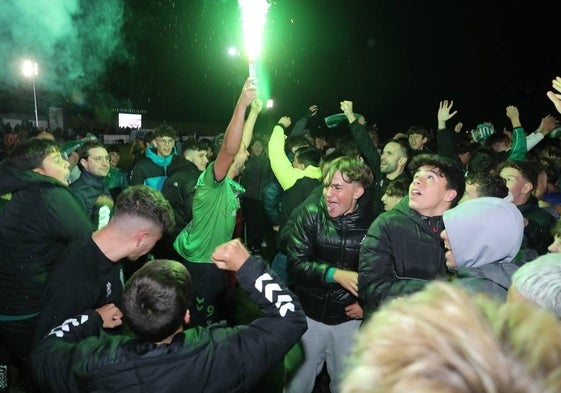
[527,188]
[187,317]
[84,163]
[402,161]
[359,191]
[450,195]
[139,237]
[425,139]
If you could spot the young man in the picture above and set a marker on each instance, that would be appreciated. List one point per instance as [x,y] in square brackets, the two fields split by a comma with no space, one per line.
[323,249]
[214,212]
[90,188]
[388,166]
[403,249]
[117,179]
[160,155]
[521,178]
[90,273]
[38,222]
[179,188]
[163,357]
[483,237]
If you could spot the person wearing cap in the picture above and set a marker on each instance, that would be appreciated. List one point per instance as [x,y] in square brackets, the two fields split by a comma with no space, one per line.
[483,237]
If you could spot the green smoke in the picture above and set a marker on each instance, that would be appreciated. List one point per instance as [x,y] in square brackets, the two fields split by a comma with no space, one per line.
[71,40]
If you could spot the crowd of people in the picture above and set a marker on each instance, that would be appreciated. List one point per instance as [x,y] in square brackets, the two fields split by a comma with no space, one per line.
[429,262]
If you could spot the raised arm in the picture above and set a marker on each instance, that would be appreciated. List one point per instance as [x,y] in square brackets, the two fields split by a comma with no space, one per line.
[234,132]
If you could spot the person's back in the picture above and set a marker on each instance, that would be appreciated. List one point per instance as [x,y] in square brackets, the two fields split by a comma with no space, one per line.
[164,357]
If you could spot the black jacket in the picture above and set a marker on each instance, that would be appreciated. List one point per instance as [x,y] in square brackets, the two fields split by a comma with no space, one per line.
[401,251]
[86,190]
[537,233]
[316,243]
[179,190]
[76,358]
[35,226]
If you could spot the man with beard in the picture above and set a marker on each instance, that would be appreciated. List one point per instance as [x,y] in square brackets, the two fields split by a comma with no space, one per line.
[388,166]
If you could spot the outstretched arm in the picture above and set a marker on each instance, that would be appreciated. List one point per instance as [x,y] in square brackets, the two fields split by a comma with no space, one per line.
[233,135]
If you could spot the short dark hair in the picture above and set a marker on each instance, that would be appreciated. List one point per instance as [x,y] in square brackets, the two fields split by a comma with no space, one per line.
[418,129]
[495,138]
[156,298]
[404,146]
[295,141]
[30,154]
[148,203]
[398,187]
[164,130]
[528,169]
[308,156]
[193,145]
[449,169]
[483,159]
[83,151]
[488,184]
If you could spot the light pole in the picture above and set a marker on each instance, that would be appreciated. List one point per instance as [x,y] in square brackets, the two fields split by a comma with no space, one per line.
[30,69]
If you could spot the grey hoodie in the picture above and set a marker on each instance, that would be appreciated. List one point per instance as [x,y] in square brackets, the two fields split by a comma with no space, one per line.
[485,235]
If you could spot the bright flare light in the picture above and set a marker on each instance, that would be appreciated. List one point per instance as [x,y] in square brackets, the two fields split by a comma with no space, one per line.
[30,69]
[254,14]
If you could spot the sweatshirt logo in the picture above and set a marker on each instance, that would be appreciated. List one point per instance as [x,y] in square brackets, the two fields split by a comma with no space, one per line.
[59,331]
[270,289]
[108,289]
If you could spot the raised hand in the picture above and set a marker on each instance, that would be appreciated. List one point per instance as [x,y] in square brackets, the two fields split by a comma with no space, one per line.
[444,113]
[556,97]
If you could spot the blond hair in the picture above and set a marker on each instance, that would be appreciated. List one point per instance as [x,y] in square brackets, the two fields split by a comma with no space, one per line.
[442,340]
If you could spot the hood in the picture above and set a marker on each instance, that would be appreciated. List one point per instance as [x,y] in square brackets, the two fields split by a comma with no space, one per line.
[483,231]
[12,180]
[152,154]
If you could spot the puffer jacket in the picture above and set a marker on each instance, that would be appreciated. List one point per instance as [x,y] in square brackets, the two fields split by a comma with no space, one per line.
[40,220]
[400,254]
[316,243]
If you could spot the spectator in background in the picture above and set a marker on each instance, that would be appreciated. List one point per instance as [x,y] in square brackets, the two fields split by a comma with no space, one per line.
[484,184]
[90,188]
[256,174]
[160,156]
[521,179]
[395,192]
[117,179]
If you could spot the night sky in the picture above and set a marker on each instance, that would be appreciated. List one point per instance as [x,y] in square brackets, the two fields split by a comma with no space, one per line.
[395,59]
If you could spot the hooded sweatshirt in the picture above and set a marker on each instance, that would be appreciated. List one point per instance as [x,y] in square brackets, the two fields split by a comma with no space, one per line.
[485,235]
